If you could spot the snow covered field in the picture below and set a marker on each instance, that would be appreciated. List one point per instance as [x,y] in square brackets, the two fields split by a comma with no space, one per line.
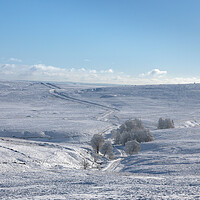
[45,130]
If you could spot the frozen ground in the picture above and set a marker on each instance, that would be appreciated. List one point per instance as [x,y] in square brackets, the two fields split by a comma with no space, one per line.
[45,131]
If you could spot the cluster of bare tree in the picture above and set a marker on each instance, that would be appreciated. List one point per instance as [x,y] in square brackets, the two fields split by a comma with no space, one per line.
[131,134]
[99,145]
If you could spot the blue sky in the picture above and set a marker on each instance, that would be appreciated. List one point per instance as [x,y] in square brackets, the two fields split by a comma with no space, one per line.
[137,41]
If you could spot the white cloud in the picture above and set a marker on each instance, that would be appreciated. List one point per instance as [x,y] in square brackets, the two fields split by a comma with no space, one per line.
[110,71]
[51,73]
[107,71]
[82,69]
[42,72]
[87,60]
[15,60]
[93,71]
[154,72]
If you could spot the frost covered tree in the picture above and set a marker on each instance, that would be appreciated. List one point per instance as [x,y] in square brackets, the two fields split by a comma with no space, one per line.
[107,149]
[116,136]
[125,137]
[122,128]
[169,123]
[161,123]
[165,123]
[132,147]
[135,124]
[97,142]
[143,135]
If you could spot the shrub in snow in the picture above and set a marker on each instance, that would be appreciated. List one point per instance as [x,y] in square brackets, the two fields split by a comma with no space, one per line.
[97,142]
[85,164]
[132,147]
[165,123]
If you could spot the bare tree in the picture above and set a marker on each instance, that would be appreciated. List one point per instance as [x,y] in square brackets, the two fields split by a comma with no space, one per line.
[97,142]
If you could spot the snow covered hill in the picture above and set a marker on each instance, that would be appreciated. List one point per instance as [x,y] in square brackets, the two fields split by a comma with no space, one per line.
[45,132]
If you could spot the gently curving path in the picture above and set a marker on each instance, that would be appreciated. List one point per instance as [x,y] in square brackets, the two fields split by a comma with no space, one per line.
[54,91]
